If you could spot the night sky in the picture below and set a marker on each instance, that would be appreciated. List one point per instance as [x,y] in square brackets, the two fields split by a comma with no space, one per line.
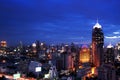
[58,21]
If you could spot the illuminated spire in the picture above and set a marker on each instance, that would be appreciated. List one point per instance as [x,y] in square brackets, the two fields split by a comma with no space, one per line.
[97,25]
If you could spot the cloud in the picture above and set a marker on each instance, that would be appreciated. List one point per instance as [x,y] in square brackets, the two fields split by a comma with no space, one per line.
[116,32]
[112,37]
[57,20]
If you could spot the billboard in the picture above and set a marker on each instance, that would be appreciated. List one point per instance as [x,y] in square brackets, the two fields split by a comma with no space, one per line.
[37,69]
[47,76]
[16,76]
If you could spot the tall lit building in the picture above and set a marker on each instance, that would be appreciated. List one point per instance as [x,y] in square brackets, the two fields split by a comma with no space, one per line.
[109,54]
[108,71]
[84,56]
[97,44]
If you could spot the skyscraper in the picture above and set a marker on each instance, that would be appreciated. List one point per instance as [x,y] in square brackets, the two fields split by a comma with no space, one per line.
[97,44]
[109,55]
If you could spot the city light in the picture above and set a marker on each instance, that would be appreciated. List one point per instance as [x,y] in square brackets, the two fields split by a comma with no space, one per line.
[59,39]
[93,70]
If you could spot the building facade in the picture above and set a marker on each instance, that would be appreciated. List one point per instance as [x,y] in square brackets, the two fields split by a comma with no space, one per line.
[109,55]
[97,45]
[84,56]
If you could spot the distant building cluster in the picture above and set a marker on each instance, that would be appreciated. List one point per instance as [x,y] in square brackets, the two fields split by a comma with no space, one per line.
[40,61]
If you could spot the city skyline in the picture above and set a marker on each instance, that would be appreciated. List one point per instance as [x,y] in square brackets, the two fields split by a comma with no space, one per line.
[61,21]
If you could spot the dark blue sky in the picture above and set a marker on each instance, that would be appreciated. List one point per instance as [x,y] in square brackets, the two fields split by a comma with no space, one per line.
[57,21]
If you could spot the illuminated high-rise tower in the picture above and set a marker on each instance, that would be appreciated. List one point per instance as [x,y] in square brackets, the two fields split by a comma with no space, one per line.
[97,44]
[109,55]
